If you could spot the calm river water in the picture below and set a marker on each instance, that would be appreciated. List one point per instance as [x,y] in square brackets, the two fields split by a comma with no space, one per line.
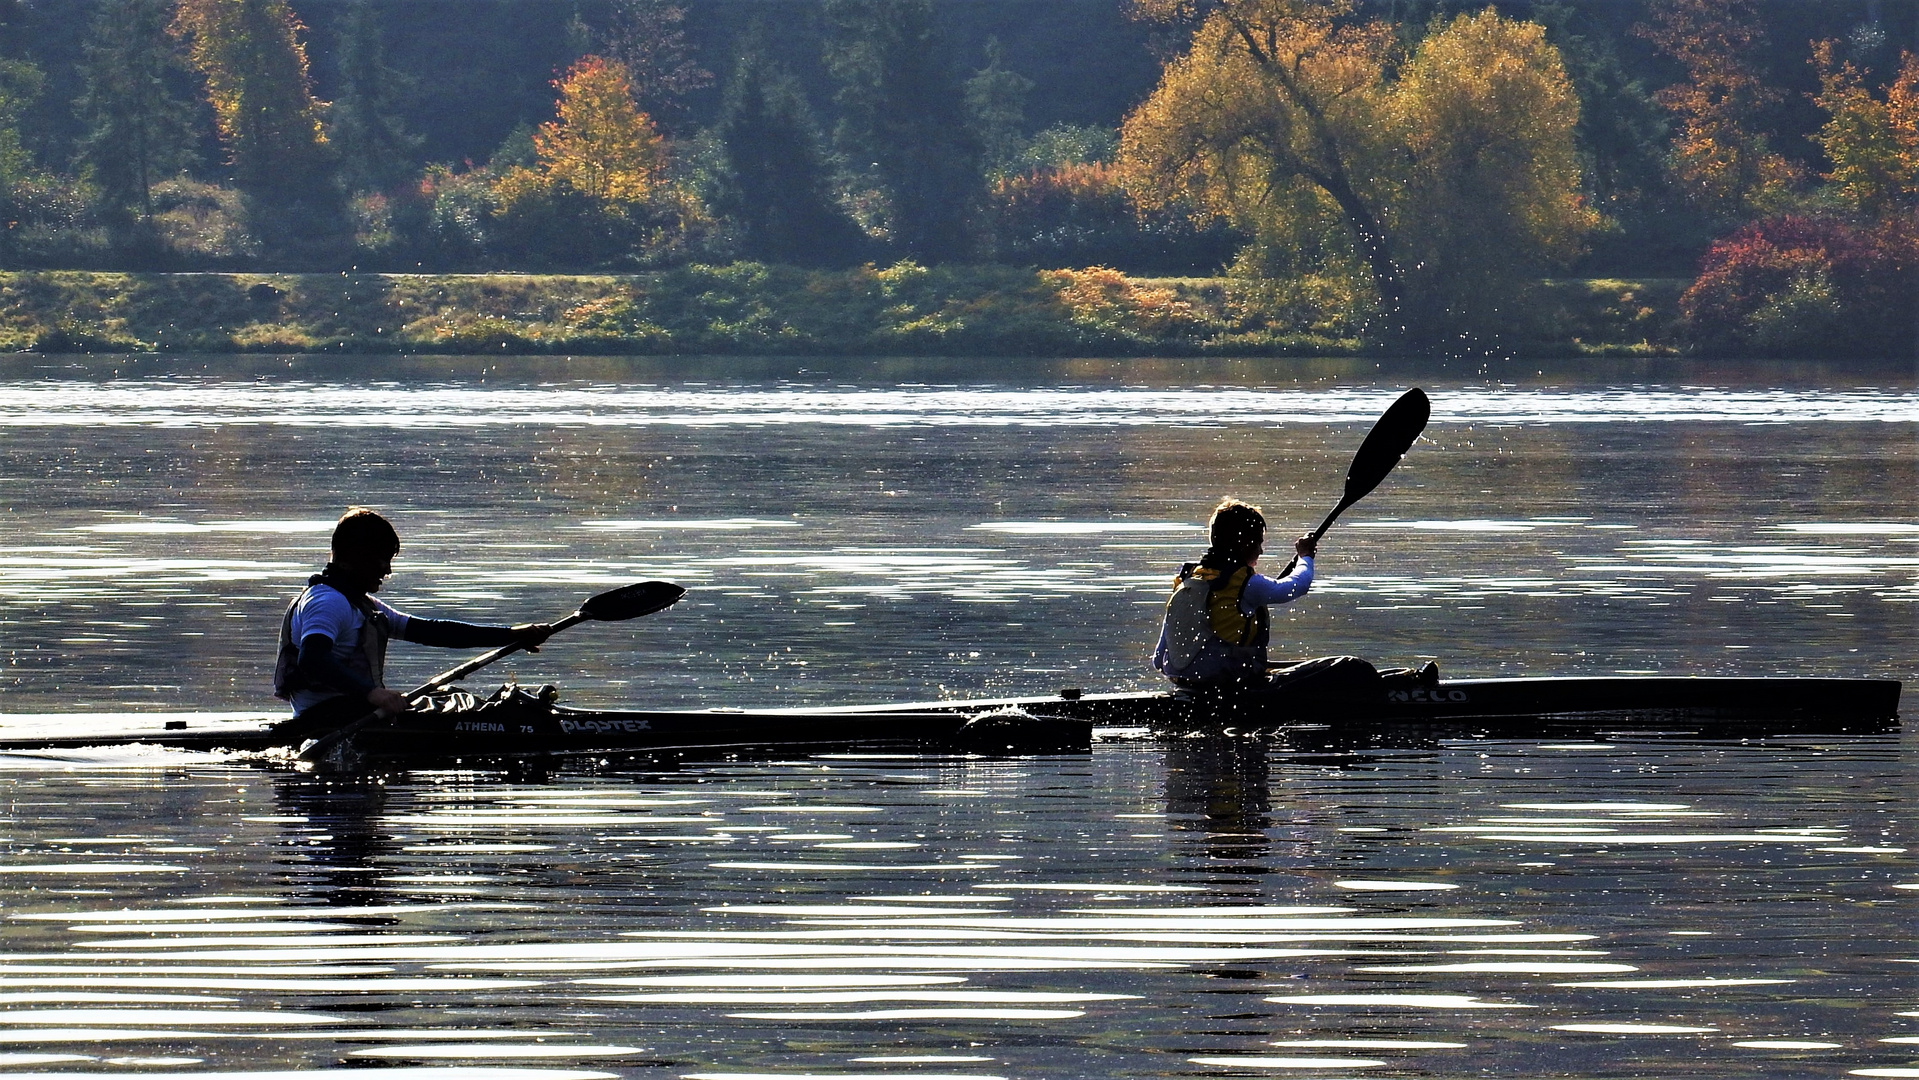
[871,531]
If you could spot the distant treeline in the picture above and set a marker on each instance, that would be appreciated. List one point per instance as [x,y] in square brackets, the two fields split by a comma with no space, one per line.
[1413,166]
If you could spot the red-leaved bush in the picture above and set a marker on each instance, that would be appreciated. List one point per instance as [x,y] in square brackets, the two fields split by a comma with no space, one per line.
[1808,286]
[1079,215]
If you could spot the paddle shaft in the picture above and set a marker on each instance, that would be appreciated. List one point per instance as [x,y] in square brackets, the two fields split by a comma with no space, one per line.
[1319,532]
[1332,517]
[455,674]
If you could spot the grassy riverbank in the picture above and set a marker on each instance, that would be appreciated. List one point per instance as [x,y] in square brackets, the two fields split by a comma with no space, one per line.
[750,308]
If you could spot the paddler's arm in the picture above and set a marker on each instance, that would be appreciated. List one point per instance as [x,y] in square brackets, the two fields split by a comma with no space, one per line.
[1262,591]
[448,634]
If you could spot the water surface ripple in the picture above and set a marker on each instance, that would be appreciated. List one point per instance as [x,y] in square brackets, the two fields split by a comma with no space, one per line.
[1204,907]
[1595,907]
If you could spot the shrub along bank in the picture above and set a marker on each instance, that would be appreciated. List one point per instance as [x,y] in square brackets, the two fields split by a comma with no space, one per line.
[753,308]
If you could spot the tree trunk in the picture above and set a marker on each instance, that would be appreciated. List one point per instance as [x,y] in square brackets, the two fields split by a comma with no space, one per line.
[1372,243]
[1331,177]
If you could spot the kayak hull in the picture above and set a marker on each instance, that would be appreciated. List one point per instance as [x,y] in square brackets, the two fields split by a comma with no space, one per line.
[522,723]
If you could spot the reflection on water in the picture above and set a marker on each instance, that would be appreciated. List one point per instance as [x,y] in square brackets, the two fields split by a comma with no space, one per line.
[1201,906]
[1214,905]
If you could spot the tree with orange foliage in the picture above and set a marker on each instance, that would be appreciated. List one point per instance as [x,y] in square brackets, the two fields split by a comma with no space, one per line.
[598,192]
[600,145]
[1720,154]
[1873,144]
[255,68]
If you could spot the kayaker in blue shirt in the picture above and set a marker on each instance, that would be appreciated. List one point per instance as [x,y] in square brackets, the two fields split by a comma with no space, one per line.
[333,640]
[1218,623]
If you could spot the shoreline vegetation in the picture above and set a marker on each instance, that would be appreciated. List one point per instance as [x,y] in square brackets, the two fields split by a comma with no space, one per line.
[1454,181]
[759,309]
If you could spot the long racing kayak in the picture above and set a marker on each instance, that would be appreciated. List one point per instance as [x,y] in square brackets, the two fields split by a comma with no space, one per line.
[519,722]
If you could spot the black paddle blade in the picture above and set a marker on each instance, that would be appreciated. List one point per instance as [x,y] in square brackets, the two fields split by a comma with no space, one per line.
[1389,440]
[632,601]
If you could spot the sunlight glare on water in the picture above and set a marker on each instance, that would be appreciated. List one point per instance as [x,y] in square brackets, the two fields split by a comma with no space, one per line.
[209,402]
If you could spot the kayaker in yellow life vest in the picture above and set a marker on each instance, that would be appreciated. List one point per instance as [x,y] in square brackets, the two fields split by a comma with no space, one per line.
[1218,623]
[332,660]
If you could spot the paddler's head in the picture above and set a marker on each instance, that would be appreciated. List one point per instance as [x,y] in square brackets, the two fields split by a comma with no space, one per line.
[364,544]
[1237,531]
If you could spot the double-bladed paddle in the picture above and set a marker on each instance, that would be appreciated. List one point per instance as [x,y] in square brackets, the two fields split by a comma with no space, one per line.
[617,605]
[1393,434]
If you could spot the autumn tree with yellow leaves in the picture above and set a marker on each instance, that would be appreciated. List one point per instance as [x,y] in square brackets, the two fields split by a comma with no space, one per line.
[1442,178]
[600,144]
[1872,142]
[250,54]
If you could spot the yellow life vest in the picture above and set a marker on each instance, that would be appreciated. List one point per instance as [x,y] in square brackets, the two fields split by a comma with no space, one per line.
[1222,607]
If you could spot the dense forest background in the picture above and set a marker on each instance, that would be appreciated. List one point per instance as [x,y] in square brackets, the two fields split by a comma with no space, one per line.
[578,135]
[477,69]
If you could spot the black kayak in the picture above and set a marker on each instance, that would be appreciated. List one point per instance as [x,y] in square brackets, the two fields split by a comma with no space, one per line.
[523,723]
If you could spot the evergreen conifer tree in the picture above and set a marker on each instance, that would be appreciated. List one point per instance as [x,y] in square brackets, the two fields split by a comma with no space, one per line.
[777,183]
[996,103]
[647,37]
[138,130]
[903,116]
[375,149]
[20,83]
